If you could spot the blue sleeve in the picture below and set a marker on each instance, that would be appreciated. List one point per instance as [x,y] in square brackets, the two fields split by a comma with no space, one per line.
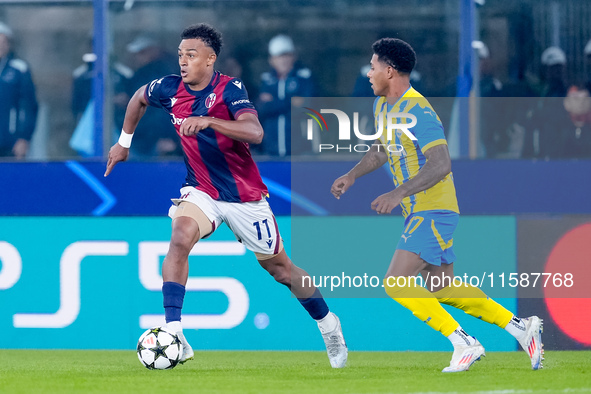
[160,91]
[236,98]
[428,128]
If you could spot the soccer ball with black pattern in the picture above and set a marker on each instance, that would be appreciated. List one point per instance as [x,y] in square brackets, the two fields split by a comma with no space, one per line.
[159,348]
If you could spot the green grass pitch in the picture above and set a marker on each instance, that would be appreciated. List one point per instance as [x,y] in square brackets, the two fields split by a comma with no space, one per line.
[60,371]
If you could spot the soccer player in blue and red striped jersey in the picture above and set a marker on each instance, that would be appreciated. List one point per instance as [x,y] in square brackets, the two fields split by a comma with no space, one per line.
[216,122]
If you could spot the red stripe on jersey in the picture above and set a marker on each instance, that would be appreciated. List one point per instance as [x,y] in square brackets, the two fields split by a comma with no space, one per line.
[246,110]
[219,166]
[240,163]
[191,144]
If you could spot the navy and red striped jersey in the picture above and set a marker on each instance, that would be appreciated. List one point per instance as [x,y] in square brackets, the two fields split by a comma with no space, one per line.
[216,164]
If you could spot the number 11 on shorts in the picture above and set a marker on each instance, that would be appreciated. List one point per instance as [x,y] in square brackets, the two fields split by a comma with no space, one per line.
[258,227]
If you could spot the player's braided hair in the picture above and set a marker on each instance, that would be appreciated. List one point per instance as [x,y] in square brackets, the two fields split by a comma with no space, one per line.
[210,36]
[395,53]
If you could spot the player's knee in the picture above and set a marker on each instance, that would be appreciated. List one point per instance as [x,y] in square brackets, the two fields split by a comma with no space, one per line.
[279,266]
[279,271]
[283,279]
[182,240]
[392,290]
[281,274]
[400,286]
[190,217]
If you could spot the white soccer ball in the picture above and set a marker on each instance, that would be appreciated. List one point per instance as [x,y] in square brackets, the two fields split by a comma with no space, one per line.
[159,348]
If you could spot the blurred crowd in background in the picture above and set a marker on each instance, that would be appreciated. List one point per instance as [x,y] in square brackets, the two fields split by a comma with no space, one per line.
[534,62]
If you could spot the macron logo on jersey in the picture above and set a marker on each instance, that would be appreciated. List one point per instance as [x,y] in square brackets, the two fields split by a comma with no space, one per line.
[173,101]
[238,84]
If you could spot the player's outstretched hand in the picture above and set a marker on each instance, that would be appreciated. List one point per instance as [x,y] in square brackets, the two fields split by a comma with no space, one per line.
[194,124]
[341,185]
[117,153]
[386,202]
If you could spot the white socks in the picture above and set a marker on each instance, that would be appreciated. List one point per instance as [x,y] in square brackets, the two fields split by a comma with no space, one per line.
[460,338]
[328,323]
[516,327]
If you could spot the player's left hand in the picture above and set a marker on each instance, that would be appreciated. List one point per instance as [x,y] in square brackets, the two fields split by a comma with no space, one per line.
[194,124]
[386,202]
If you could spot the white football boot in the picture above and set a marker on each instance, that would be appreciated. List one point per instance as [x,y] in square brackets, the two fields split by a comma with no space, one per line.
[464,357]
[532,341]
[187,349]
[336,348]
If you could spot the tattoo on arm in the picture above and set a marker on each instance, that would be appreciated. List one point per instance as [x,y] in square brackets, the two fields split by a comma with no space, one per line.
[372,160]
[436,168]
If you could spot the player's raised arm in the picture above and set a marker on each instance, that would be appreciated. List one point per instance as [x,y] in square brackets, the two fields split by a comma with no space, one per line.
[373,159]
[135,110]
[246,128]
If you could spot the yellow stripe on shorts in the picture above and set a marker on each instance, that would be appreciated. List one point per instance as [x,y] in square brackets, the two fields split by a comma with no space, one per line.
[442,243]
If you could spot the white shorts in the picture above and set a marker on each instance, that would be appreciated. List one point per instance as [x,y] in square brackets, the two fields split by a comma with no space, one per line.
[252,223]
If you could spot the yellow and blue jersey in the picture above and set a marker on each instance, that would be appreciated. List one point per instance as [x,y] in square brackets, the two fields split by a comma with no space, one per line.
[406,163]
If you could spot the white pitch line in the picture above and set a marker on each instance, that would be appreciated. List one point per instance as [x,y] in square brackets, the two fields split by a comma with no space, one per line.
[567,390]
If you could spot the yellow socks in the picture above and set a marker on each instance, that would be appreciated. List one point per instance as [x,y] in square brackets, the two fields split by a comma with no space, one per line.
[474,302]
[421,303]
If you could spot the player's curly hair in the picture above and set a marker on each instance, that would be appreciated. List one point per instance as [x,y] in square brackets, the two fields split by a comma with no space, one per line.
[395,53]
[206,33]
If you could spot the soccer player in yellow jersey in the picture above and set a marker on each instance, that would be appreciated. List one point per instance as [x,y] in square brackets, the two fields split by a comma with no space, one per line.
[419,160]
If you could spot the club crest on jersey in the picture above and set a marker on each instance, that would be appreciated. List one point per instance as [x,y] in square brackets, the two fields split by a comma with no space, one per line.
[210,100]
